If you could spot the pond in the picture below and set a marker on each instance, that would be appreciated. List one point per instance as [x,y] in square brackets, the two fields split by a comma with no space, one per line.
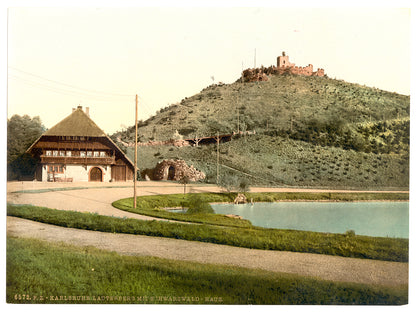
[379,219]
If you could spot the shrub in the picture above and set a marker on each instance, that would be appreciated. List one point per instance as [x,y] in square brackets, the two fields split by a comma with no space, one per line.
[196,205]
[350,233]
[244,185]
[228,182]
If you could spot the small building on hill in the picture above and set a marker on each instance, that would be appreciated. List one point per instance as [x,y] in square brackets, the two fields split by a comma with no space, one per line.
[76,149]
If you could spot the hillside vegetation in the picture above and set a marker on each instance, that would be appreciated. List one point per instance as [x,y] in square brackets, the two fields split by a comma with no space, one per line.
[309,131]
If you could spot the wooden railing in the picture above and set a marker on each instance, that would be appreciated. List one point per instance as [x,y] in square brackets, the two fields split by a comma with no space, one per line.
[78,160]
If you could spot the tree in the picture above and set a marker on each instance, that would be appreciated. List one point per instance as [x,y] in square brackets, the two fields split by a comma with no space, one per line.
[228,182]
[22,131]
[231,182]
[184,180]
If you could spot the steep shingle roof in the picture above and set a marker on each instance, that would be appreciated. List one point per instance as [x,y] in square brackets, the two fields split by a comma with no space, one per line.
[79,124]
[76,124]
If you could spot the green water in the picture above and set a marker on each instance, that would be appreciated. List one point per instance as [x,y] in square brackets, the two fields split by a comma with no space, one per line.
[379,219]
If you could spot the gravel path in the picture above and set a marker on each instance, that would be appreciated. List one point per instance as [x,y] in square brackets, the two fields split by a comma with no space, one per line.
[95,200]
[324,267]
[98,200]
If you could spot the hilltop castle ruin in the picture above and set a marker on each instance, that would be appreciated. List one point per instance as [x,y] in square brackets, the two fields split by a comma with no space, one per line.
[283,66]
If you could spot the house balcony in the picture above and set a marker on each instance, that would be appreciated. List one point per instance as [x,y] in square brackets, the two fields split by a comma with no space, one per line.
[76,160]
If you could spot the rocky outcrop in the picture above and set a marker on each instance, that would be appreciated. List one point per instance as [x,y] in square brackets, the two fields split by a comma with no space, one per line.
[240,199]
[254,74]
[234,216]
[175,170]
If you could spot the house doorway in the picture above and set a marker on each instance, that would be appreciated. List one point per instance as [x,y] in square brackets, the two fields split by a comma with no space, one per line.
[118,173]
[96,175]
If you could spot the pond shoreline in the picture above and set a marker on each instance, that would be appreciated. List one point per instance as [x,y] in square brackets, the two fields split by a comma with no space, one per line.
[370,218]
[317,200]
[293,200]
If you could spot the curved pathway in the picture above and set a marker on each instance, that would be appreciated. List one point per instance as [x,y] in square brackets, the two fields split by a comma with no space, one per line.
[94,200]
[325,267]
[98,200]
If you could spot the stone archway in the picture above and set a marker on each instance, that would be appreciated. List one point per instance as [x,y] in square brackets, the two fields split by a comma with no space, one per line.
[96,175]
[176,169]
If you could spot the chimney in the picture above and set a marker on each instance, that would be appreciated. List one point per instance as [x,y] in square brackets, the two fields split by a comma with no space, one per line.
[87,111]
[74,109]
[79,107]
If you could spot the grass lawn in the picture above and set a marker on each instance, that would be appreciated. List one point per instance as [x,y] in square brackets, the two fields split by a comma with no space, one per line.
[39,272]
[346,245]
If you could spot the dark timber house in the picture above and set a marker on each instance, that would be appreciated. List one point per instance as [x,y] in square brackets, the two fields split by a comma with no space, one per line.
[76,149]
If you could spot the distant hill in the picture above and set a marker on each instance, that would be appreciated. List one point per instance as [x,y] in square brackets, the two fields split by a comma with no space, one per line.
[310,131]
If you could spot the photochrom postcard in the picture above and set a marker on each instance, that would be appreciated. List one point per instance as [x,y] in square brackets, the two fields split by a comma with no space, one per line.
[247,154]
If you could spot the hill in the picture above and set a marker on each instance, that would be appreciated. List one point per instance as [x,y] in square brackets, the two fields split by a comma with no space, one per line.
[310,131]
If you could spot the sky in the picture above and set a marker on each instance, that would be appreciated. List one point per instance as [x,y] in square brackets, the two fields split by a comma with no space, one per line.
[101,57]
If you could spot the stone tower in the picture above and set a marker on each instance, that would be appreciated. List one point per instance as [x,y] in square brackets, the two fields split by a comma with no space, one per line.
[283,61]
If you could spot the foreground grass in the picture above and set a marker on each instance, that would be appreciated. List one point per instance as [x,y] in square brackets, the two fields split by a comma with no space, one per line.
[346,245]
[39,272]
[153,205]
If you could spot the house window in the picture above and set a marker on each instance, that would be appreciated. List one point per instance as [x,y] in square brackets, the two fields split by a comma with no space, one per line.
[61,153]
[48,153]
[55,153]
[89,153]
[55,169]
[69,153]
[103,154]
[82,154]
[96,154]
